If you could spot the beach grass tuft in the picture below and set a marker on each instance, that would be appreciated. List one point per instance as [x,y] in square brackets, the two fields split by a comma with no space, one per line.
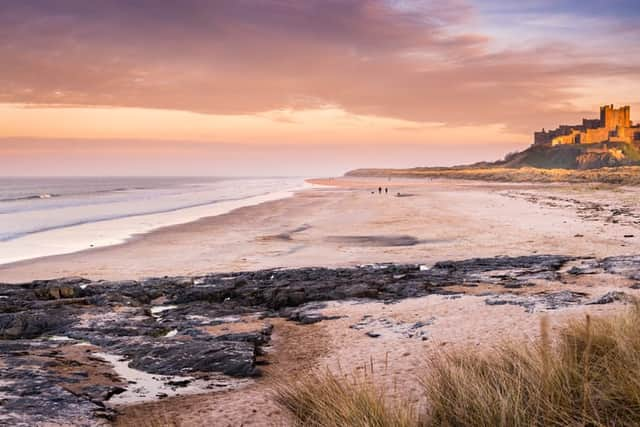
[325,399]
[588,374]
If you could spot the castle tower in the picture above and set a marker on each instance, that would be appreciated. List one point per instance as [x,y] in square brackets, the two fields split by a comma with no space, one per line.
[611,118]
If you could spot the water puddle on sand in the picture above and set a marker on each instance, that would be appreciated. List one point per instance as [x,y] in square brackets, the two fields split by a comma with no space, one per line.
[160,308]
[227,319]
[60,338]
[144,387]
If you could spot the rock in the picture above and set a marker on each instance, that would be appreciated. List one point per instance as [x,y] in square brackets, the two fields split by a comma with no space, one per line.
[363,290]
[307,314]
[549,301]
[513,272]
[627,266]
[610,297]
[25,324]
[233,358]
[179,383]
[408,330]
[57,292]
[121,318]
[32,395]
[101,393]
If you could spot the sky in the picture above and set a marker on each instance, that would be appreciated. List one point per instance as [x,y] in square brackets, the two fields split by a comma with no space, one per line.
[300,87]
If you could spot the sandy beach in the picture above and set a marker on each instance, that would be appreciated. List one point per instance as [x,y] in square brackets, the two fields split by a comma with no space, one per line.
[341,223]
[380,340]
[346,222]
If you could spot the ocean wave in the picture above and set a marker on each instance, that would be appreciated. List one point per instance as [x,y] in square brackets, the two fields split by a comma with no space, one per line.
[6,237]
[71,194]
[30,197]
[101,191]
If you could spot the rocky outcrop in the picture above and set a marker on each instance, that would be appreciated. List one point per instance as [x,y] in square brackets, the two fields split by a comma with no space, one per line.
[52,332]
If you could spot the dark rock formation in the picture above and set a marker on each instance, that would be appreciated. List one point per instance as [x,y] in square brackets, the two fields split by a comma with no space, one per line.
[548,301]
[176,325]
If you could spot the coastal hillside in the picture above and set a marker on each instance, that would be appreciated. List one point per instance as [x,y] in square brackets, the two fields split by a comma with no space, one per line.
[598,150]
[625,175]
[575,156]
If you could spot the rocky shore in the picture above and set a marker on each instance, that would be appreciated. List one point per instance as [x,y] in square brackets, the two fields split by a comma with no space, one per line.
[73,350]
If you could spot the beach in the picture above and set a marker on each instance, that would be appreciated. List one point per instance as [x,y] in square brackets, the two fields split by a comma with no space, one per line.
[341,223]
[433,266]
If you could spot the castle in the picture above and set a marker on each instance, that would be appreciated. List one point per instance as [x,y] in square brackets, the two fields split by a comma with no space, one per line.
[614,125]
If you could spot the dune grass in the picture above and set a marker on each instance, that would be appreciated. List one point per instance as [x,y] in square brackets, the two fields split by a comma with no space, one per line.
[587,375]
[325,399]
[622,175]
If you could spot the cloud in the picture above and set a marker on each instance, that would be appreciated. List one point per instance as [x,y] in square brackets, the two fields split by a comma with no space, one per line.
[424,61]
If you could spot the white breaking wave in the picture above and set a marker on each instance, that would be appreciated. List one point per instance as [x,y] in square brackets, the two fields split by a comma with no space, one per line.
[74,220]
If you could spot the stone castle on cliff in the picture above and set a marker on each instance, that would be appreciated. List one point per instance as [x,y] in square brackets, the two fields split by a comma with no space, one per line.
[614,125]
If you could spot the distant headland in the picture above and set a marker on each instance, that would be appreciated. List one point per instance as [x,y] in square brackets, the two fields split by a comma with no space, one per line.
[599,150]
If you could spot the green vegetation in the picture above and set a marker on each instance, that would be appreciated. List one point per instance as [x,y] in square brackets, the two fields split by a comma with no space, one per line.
[631,152]
[627,175]
[588,375]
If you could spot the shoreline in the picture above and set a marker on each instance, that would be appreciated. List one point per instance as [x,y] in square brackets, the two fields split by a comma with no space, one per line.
[69,240]
[340,223]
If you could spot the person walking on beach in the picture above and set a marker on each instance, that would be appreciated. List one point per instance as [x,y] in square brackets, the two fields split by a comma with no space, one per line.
[386,190]
[379,190]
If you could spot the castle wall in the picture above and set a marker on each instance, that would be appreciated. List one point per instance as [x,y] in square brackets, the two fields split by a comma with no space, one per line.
[591,123]
[614,125]
[625,134]
[593,136]
[572,138]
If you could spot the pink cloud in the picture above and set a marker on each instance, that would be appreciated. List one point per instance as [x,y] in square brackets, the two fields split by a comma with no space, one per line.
[246,57]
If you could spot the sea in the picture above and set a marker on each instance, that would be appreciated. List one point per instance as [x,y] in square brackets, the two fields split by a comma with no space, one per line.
[49,216]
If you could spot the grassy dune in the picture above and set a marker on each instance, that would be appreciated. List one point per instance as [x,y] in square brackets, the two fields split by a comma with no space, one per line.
[626,175]
[588,375]
[329,400]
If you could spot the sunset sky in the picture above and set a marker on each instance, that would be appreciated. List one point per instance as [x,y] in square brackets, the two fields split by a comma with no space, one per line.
[300,87]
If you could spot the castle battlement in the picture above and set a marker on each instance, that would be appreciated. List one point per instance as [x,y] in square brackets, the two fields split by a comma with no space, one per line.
[614,125]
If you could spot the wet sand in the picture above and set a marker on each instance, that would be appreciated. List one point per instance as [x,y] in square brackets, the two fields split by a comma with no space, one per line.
[346,225]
